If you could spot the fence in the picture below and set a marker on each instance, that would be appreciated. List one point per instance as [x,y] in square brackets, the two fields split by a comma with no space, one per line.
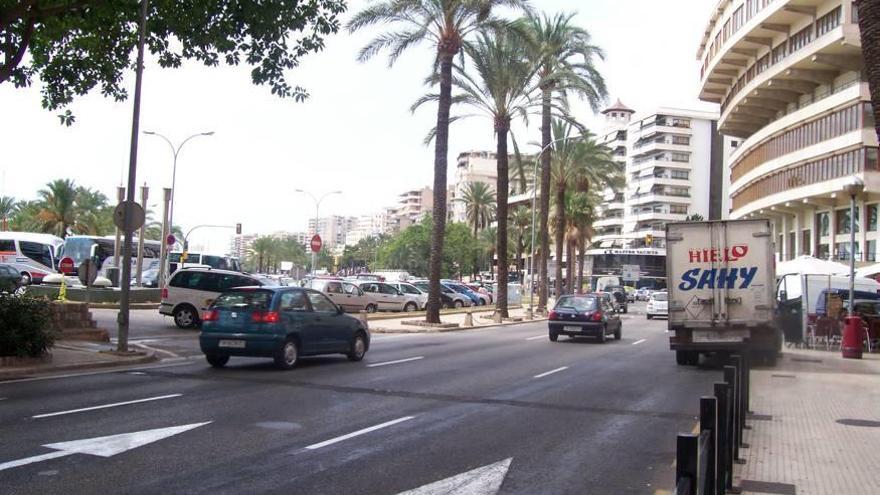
[704,461]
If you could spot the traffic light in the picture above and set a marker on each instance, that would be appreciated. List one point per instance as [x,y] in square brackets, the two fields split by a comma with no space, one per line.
[649,239]
[238,229]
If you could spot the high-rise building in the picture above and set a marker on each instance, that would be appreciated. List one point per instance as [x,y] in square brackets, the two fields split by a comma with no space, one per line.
[611,212]
[240,244]
[332,229]
[789,77]
[472,166]
[416,203]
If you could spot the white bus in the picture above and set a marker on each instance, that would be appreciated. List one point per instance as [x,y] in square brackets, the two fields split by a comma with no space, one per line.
[33,255]
[82,247]
[218,261]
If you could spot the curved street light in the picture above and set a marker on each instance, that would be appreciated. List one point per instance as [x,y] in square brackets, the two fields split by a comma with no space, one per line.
[317,209]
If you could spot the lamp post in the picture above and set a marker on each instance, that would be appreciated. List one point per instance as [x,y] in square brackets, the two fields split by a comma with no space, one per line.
[317,209]
[532,246]
[853,189]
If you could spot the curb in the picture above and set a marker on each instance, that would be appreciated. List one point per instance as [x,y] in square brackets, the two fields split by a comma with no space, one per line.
[472,309]
[29,372]
[381,330]
[130,306]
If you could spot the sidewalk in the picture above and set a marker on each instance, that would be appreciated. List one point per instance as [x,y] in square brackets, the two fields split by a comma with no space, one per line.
[70,355]
[481,318]
[798,444]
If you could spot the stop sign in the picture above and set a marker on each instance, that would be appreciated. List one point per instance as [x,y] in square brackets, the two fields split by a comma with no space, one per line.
[65,266]
[316,243]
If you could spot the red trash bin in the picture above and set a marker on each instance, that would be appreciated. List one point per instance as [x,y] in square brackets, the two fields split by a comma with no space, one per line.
[851,341]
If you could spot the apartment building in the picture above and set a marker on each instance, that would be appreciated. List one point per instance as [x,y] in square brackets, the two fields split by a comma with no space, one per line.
[240,244]
[332,229]
[609,227]
[416,203]
[789,78]
[472,166]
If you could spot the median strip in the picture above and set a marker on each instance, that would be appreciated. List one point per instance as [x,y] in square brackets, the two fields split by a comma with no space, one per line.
[398,361]
[358,433]
[638,341]
[105,406]
[557,370]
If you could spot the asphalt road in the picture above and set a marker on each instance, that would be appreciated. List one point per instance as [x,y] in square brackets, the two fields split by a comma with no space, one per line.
[568,417]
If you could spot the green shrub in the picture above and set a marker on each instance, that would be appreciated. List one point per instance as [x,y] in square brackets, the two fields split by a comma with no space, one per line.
[25,326]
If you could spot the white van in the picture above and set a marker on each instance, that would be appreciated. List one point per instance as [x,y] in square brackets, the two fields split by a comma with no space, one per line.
[191,290]
[32,254]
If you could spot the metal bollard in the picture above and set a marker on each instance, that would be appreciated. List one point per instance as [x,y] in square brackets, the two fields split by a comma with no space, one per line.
[687,461]
[468,319]
[709,422]
[724,443]
[730,376]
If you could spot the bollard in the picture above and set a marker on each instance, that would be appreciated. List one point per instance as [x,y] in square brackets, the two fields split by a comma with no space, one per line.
[709,422]
[730,376]
[529,315]
[686,460]
[738,362]
[468,319]
[851,341]
[724,474]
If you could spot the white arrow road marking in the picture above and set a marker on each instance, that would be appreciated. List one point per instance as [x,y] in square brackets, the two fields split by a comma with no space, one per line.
[358,433]
[536,337]
[386,363]
[484,480]
[638,341]
[105,406]
[103,446]
[557,370]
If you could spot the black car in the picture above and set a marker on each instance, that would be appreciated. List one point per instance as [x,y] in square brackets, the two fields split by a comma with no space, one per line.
[588,315]
[618,294]
[10,279]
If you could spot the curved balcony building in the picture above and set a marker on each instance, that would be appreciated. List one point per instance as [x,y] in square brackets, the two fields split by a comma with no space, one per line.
[788,75]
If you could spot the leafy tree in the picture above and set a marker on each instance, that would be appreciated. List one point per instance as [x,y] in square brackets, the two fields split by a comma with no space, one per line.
[259,251]
[567,57]
[869,26]
[57,207]
[26,218]
[94,215]
[479,203]
[77,45]
[446,25]
[8,208]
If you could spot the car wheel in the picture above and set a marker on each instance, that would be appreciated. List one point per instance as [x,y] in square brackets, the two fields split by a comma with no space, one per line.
[186,316]
[618,333]
[602,336]
[648,316]
[681,358]
[217,360]
[410,307]
[459,304]
[358,348]
[554,336]
[287,356]
[371,308]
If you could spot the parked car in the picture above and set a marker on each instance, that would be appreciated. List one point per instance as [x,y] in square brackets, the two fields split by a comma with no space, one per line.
[618,294]
[448,297]
[461,289]
[369,276]
[283,323]
[412,290]
[481,291]
[10,279]
[344,294]
[192,290]
[658,305]
[384,297]
[584,315]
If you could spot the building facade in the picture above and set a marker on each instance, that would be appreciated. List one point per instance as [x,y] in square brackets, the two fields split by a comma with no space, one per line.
[789,78]
[415,204]
[471,166]
[240,244]
[332,229]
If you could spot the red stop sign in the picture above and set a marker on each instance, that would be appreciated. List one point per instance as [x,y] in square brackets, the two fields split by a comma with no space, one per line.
[316,243]
[65,266]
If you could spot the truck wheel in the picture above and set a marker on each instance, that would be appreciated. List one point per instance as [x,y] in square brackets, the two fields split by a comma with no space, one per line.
[648,316]
[681,358]
[693,358]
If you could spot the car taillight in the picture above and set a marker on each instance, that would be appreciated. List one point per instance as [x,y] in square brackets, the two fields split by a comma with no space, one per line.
[597,316]
[212,315]
[553,315]
[165,293]
[265,317]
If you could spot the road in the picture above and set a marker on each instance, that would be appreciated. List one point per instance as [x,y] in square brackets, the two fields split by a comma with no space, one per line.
[568,417]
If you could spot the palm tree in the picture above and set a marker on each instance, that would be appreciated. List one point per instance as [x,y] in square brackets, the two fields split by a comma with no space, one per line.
[500,90]
[260,249]
[488,245]
[8,207]
[580,214]
[26,218]
[446,25]
[566,56]
[869,25]
[520,221]
[479,201]
[57,207]
[94,215]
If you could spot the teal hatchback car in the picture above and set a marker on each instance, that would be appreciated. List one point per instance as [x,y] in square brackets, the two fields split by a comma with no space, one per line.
[283,323]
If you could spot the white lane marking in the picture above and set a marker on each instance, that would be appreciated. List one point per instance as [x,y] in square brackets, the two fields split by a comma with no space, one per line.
[484,480]
[358,433]
[106,406]
[2,398]
[639,341]
[398,361]
[170,363]
[536,337]
[557,370]
[103,446]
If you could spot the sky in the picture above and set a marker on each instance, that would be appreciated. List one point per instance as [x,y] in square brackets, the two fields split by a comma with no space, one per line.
[355,133]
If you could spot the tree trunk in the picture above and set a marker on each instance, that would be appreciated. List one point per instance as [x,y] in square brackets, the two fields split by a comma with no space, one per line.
[260,263]
[869,25]
[519,257]
[560,235]
[569,267]
[580,279]
[441,150]
[544,231]
[503,183]
[476,256]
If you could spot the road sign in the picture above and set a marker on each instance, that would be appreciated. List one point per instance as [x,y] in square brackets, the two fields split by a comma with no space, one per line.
[102,446]
[316,243]
[171,240]
[137,217]
[65,266]
[87,273]
[238,229]
[630,273]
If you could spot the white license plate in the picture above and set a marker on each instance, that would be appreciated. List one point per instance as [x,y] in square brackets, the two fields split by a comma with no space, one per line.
[571,328]
[236,344]
[716,336]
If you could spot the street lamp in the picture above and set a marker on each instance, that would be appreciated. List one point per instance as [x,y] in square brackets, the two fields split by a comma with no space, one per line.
[317,209]
[534,195]
[853,189]
[175,150]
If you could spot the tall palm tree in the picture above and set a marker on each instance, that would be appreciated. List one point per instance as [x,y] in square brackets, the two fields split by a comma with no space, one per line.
[94,215]
[869,25]
[8,207]
[580,213]
[479,201]
[260,249]
[499,89]
[446,25]
[26,218]
[488,245]
[520,221]
[57,207]
[567,65]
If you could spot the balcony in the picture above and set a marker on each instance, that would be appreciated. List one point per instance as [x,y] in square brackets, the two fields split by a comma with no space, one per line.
[608,222]
[662,198]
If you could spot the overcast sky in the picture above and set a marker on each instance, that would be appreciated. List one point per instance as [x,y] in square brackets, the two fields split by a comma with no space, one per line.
[354,134]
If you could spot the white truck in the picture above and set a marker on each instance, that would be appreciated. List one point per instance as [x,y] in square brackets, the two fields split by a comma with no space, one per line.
[722,297]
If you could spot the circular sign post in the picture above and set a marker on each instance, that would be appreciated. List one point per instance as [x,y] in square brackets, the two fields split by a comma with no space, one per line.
[316,243]
[171,240]
[65,266]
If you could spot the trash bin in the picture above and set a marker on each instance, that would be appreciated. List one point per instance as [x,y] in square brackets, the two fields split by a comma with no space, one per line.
[851,343]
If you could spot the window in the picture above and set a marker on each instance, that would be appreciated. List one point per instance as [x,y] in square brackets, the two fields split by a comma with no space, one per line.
[372,288]
[408,289]
[388,289]
[871,251]
[828,22]
[351,289]
[843,220]
[333,288]
[320,303]
[684,140]
[872,218]
[40,253]
[244,300]
[681,157]
[293,301]
[7,246]
[824,224]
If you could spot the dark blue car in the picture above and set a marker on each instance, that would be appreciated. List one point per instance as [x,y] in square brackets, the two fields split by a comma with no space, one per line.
[463,290]
[283,323]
